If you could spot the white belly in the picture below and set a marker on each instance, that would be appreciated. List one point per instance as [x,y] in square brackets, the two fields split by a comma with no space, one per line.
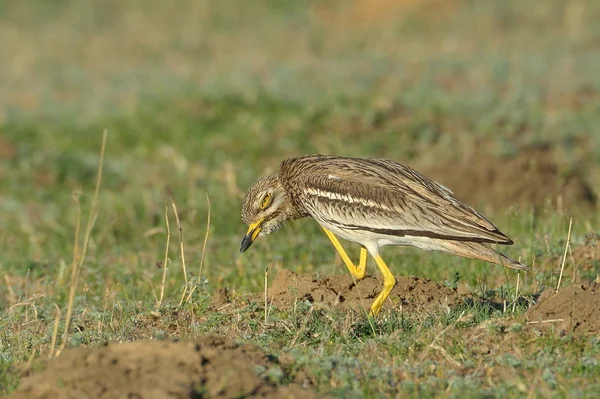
[374,240]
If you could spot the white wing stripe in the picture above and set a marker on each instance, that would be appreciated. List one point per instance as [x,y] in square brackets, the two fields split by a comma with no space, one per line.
[345,197]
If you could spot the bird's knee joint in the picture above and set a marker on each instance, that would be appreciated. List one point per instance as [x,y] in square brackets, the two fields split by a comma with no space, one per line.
[389,283]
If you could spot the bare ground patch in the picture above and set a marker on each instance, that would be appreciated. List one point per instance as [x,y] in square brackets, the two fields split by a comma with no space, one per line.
[574,309]
[585,257]
[535,176]
[412,294]
[211,366]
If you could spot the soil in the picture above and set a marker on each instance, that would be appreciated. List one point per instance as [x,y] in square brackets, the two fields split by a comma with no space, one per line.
[533,177]
[415,295]
[586,257]
[574,309]
[215,366]
[209,367]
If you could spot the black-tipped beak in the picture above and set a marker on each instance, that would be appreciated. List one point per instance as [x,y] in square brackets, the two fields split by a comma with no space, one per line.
[253,231]
[246,243]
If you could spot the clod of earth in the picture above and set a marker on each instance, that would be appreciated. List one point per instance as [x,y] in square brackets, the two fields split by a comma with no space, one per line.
[574,309]
[411,294]
[207,367]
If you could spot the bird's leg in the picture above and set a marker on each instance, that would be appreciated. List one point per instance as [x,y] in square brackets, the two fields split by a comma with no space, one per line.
[389,281]
[357,271]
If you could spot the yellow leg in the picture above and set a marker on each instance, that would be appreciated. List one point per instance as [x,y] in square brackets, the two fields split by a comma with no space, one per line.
[388,283]
[359,271]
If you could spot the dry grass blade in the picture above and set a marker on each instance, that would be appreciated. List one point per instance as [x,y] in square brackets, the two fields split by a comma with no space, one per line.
[562,266]
[201,267]
[166,259]
[79,256]
[303,327]
[516,291]
[266,292]
[181,248]
[449,358]
[73,281]
[54,332]
[433,344]
[545,321]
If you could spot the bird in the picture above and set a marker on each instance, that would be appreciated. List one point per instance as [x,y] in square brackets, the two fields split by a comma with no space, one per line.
[374,202]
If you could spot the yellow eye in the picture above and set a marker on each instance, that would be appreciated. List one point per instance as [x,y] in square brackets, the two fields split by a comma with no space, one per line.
[266,201]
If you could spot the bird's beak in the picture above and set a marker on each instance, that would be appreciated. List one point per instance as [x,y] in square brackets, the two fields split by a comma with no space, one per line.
[253,231]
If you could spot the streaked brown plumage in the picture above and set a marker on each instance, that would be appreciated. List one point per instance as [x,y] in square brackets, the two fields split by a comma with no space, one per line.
[374,202]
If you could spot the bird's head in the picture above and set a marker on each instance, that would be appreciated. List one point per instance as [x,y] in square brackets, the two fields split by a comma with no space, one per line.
[266,207]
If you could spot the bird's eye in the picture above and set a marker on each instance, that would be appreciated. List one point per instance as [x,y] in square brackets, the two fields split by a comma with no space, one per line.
[266,201]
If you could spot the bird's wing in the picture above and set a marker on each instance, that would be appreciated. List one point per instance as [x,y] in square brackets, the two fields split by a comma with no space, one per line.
[383,196]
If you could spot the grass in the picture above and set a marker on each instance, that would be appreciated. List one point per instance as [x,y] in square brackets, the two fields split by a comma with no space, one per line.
[201,99]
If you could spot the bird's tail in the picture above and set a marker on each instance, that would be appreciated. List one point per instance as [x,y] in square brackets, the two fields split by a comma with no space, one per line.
[484,252]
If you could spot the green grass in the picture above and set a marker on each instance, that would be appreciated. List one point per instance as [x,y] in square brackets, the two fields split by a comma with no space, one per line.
[201,99]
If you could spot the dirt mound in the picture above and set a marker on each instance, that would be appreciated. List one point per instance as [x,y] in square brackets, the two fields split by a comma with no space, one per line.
[411,294]
[209,367]
[534,176]
[587,256]
[574,309]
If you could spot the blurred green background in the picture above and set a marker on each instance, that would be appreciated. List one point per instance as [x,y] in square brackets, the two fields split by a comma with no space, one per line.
[498,100]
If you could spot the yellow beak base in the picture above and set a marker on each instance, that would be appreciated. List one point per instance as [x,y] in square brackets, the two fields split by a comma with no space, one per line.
[251,235]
